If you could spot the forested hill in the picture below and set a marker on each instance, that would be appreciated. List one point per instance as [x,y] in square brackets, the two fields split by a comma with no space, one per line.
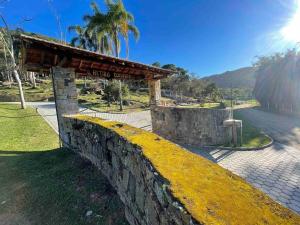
[240,78]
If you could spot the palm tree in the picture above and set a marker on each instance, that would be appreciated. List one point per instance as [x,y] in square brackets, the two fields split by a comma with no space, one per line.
[110,27]
[121,23]
[82,40]
[105,30]
[98,29]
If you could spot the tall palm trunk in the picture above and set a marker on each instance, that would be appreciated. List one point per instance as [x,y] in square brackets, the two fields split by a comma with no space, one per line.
[116,43]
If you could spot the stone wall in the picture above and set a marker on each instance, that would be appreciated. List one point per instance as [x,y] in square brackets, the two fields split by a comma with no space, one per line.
[191,126]
[154,92]
[163,184]
[65,93]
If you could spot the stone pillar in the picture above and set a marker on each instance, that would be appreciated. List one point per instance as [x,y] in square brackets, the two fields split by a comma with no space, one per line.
[154,91]
[65,94]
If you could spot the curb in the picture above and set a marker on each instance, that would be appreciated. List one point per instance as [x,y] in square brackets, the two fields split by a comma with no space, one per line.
[47,121]
[246,148]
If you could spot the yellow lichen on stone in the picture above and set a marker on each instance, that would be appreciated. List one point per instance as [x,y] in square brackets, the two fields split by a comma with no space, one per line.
[211,194]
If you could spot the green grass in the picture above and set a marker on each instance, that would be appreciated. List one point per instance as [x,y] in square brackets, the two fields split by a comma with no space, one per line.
[139,102]
[42,184]
[252,102]
[252,136]
[24,130]
[244,104]
[41,93]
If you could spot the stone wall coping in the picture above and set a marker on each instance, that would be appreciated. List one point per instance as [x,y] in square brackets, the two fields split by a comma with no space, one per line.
[211,194]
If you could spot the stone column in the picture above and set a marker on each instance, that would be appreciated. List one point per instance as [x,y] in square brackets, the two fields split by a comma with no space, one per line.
[65,94]
[154,91]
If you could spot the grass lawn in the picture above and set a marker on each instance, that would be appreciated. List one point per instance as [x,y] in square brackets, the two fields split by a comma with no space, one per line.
[139,102]
[41,93]
[252,136]
[42,184]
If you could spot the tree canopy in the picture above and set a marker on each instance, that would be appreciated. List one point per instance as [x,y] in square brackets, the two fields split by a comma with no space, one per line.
[103,31]
[278,81]
[184,83]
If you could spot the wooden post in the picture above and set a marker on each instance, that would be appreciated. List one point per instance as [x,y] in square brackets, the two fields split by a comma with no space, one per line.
[154,91]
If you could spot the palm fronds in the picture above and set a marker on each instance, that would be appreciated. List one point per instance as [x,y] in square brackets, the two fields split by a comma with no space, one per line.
[103,31]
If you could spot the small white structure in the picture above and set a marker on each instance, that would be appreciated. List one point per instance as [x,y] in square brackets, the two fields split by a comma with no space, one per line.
[234,124]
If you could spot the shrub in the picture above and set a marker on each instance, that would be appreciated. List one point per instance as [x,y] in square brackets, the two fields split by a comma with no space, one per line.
[111,91]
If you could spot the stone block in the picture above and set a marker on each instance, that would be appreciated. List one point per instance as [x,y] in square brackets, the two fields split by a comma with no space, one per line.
[140,196]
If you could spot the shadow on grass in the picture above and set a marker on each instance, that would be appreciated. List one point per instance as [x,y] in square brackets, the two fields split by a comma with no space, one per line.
[55,187]
[12,109]
[26,116]
[19,117]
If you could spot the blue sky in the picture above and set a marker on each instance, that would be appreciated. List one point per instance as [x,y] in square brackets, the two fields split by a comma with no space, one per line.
[203,36]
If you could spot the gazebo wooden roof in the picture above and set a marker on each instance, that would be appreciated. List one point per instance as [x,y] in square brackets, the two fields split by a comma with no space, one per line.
[39,55]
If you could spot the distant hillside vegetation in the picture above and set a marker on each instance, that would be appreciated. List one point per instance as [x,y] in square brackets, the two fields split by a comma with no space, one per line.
[240,78]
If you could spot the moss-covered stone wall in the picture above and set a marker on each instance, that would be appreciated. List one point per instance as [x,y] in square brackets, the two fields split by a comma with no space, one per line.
[161,183]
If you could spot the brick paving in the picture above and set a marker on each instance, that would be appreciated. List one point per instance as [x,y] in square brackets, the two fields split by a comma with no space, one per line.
[274,170]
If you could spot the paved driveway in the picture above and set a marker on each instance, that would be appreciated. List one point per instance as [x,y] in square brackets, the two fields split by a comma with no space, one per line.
[283,129]
[136,119]
[275,170]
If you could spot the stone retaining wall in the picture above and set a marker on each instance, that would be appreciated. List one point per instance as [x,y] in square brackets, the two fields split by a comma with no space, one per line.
[191,126]
[163,184]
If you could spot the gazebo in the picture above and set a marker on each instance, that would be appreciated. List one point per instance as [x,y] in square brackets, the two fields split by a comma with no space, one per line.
[64,62]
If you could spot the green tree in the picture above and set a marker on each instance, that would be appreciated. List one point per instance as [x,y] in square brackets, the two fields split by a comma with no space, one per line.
[156,64]
[111,91]
[98,29]
[81,40]
[120,22]
[278,81]
[107,30]
[211,91]
[11,57]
